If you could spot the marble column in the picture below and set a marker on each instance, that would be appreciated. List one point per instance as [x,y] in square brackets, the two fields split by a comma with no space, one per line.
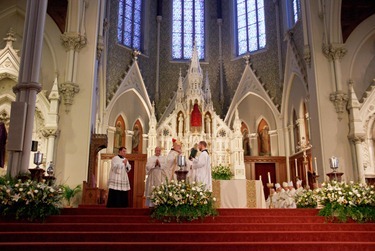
[50,134]
[128,141]
[23,109]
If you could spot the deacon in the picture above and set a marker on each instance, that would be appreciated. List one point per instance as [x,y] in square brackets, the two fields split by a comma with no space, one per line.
[171,161]
[202,166]
[155,174]
[118,182]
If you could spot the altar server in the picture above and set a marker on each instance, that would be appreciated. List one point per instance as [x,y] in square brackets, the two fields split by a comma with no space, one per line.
[202,166]
[155,174]
[171,160]
[118,182]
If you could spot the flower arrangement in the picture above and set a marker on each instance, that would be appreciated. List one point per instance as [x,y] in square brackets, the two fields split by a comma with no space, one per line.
[221,173]
[306,199]
[182,201]
[28,199]
[354,200]
[341,201]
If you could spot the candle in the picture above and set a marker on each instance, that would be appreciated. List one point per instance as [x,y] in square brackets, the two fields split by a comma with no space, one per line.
[269,177]
[307,177]
[296,166]
[316,166]
[260,177]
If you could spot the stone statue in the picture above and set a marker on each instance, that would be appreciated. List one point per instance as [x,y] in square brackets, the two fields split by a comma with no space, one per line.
[208,124]
[135,139]
[246,143]
[118,137]
[3,141]
[196,116]
[264,141]
[180,124]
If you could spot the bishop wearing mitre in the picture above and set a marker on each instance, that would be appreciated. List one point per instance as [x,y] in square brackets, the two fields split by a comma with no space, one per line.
[171,160]
[155,174]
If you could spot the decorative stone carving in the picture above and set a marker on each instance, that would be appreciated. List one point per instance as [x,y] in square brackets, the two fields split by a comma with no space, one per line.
[135,54]
[334,51]
[99,48]
[340,101]
[73,41]
[247,59]
[46,132]
[307,55]
[68,90]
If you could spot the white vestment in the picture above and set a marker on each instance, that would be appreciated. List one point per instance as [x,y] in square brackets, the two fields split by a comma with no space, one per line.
[118,175]
[171,164]
[155,176]
[202,167]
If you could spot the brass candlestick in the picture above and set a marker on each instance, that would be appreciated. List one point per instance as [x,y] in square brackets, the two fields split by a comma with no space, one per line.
[270,186]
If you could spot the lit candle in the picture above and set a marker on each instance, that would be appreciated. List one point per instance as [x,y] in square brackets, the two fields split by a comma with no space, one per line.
[316,166]
[296,166]
[269,177]
[260,177]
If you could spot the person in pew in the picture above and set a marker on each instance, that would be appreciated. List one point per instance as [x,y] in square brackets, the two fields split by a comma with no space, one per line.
[118,182]
[155,174]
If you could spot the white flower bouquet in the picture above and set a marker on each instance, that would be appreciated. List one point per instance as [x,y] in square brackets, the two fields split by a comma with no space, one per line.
[180,201]
[28,199]
[221,172]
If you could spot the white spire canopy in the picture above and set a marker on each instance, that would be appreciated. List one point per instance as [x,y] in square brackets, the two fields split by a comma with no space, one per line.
[195,67]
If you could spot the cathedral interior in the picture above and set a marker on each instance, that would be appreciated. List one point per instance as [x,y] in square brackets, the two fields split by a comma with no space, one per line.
[273,86]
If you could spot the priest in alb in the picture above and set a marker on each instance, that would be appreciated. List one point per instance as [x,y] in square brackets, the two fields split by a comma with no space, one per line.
[202,166]
[171,161]
[155,174]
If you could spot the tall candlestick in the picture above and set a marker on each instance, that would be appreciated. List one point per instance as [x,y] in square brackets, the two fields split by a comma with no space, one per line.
[316,166]
[269,177]
[296,166]
[260,177]
[307,177]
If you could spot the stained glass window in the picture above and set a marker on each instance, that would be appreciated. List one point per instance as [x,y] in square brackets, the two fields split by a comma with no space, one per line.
[251,29]
[187,28]
[130,23]
[296,6]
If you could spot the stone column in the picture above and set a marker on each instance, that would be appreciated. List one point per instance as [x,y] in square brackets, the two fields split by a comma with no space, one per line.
[111,134]
[274,143]
[158,21]
[128,141]
[254,144]
[23,109]
[50,134]
[144,143]
[358,140]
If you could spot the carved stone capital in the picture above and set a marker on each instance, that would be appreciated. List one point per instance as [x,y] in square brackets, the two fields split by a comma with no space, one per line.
[47,132]
[73,41]
[357,138]
[68,90]
[334,51]
[339,100]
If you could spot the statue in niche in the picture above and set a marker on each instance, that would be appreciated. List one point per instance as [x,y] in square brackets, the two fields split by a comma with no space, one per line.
[196,117]
[135,139]
[246,143]
[264,141]
[180,124]
[208,124]
[3,141]
[119,133]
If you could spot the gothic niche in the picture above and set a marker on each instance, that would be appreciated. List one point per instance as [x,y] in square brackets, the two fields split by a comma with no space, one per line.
[119,139]
[137,137]
[245,140]
[196,118]
[208,123]
[264,138]
[180,124]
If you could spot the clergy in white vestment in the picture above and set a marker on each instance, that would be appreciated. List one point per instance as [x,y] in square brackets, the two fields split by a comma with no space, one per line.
[193,154]
[155,174]
[118,182]
[202,166]
[171,160]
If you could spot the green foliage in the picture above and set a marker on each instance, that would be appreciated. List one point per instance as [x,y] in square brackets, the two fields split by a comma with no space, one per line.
[69,193]
[182,201]
[28,199]
[306,199]
[221,173]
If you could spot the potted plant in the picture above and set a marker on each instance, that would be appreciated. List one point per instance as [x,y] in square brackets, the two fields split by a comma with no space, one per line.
[69,193]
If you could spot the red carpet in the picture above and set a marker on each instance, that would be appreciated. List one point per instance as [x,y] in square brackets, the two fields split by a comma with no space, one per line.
[91,228]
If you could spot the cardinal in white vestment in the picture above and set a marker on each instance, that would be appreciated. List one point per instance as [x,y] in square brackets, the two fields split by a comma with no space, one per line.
[155,174]
[118,182]
[171,160]
[202,166]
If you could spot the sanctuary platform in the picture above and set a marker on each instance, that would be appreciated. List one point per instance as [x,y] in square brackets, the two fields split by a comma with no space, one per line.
[99,228]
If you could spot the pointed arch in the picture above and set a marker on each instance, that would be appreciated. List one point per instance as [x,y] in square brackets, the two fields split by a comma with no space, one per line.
[137,138]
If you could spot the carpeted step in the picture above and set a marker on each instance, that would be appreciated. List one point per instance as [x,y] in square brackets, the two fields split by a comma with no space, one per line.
[191,246]
[188,227]
[197,236]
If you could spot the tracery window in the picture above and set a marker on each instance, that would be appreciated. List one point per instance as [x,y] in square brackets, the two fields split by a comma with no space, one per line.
[251,29]
[130,23]
[187,28]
